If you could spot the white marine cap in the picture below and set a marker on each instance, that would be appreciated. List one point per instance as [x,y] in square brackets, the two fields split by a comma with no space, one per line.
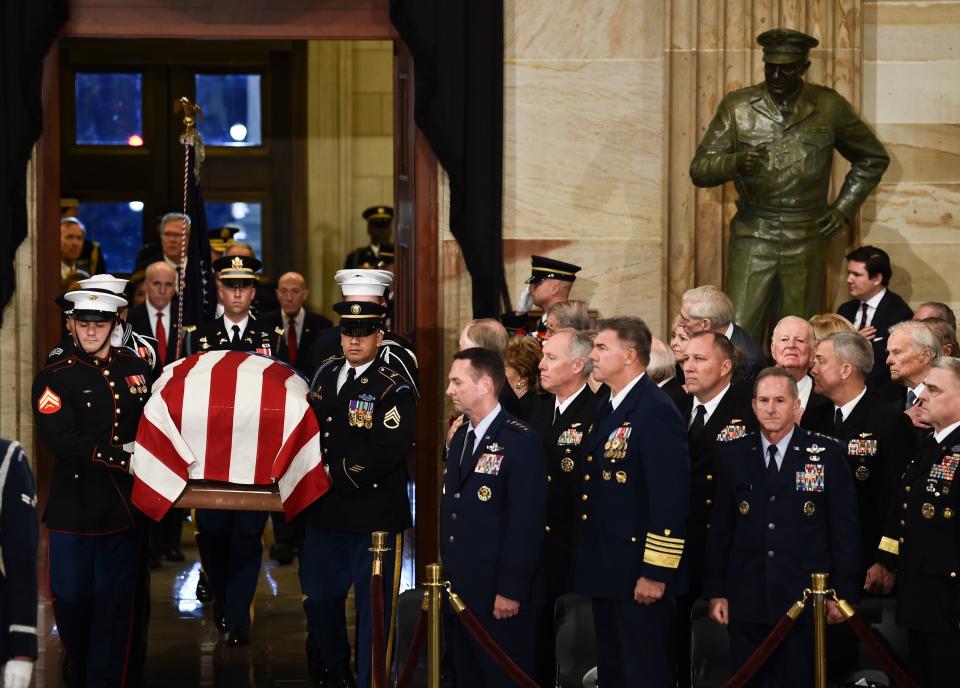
[359,282]
[92,302]
[114,285]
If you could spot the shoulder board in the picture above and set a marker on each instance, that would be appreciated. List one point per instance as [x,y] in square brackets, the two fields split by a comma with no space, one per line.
[391,374]
[189,328]
[329,362]
[278,330]
[516,425]
[60,364]
[834,440]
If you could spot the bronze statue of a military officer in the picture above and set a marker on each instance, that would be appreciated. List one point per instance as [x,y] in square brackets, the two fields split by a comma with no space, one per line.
[775,141]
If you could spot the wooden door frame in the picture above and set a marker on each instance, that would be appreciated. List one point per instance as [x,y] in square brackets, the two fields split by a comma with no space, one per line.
[426,301]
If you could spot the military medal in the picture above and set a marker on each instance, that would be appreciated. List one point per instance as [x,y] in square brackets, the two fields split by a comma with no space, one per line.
[570,438]
[489,464]
[810,479]
[606,475]
[946,469]
[948,513]
[744,508]
[566,464]
[484,494]
[616,444]
[862,473]
[360,414]
[928,510]
[809,508]
[731,432]
[621,477]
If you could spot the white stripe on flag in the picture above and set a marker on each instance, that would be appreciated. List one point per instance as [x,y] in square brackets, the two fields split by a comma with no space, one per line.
[296,405]
[153,472]
[246,419]
[305,461]
[196,403]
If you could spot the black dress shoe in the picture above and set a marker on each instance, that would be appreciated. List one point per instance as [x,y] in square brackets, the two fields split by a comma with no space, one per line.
[219,619]
[174,554]
[203,589]
[282,553]
[238,637]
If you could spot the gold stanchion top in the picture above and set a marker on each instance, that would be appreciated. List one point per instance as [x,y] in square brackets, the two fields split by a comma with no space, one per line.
[819,583]
[189,111]
[434,574]
[379,542]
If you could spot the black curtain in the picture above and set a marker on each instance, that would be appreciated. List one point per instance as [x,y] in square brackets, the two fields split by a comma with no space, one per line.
[27,28]
[457,48]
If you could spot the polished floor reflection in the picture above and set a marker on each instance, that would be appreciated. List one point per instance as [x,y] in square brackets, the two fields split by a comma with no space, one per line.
[185,649]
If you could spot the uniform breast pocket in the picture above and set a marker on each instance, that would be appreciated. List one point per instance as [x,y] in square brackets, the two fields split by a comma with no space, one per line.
[817,151]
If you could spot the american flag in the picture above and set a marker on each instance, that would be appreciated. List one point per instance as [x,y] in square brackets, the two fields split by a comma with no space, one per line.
[229,416]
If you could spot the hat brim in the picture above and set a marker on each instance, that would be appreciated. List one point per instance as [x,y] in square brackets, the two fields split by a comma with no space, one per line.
[784,58]
[238,282]
[353,330]
[93,316]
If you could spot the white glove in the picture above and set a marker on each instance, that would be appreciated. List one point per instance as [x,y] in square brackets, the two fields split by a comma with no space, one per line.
[525,302]
[17,673]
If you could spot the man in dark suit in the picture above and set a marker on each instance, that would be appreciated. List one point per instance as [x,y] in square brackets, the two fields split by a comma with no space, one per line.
[630,544]
[707,308]
[230,541]
[920,549]
[368,413]
[785,508]
[873,308]
[716,412]
[792,347]
[492,521]
[911,349]
[561,417]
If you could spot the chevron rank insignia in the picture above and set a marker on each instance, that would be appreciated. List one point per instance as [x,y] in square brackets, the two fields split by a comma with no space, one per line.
[49,402]
[391,420]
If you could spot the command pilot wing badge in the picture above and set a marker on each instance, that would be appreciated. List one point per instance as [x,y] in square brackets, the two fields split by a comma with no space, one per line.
[495,447]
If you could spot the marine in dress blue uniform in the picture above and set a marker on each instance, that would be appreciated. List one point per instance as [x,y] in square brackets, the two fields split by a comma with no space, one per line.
[774,526]
[87,407]
[491,523]
[18,577]
[636,486]
[229,541]
[367,414]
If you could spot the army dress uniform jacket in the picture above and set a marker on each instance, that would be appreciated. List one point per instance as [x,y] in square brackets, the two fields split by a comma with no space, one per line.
[732,419]
[765,541]
[492,514]
[879,442]
[395,352]
[561,441]
[18,546]
[922,540]
[214,335]
[86,410]
[634,504]
[365,433]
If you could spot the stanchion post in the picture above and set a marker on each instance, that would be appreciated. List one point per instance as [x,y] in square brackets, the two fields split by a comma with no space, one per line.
[435,585]
[378,658]
[819,592]
[378,548]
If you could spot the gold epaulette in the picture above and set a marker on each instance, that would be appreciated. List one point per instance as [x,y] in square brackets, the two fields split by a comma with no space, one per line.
[890,545]
[662,550]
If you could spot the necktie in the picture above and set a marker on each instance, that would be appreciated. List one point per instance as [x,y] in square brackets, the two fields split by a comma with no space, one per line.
[161,339]
[772,469]
[911,399]
[351,374]
[696,427]
[467,454]
[556,414]
[863,316]
[837,420]
[292,342]
[235,339]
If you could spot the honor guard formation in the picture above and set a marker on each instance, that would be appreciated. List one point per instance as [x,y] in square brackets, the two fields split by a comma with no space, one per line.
[628,510]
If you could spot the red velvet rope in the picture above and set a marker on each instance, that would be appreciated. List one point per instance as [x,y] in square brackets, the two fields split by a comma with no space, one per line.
[378,659]
[762,653]
[880,653]
[495,651]
[416,647]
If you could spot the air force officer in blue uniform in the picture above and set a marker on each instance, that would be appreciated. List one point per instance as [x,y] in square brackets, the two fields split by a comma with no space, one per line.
[786,507]
[492,521]
[636,485]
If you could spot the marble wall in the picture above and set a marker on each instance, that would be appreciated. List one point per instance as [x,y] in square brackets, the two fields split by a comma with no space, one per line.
[911,90]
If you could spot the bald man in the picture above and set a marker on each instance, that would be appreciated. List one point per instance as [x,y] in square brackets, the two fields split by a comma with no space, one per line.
[300,326]
[157,316]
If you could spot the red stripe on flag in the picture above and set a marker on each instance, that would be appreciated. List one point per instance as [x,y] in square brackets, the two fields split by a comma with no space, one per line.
[152,438]
[273,402]
[150,502]
[310,488]
[223,392]
[173,391]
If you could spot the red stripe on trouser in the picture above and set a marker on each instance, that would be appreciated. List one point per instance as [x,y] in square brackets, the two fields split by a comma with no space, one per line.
[173,391]
[273,403]
[129,644]
[223,392]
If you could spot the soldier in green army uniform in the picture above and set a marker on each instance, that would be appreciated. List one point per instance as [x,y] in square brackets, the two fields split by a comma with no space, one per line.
[775,141]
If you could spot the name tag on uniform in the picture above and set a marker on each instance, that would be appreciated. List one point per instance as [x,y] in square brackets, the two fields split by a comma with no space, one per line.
[733,431]
[860,446]
[810,479]
[570,438]
[946,469]
[489,464]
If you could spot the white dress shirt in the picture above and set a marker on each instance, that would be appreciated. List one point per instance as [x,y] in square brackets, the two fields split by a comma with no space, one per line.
[872,304]
[152,318]
[228,325]
[559,408]
[615,401]
[358,371]
[941,435]
[709,406]
[782,447]
[847,408]
[297,323]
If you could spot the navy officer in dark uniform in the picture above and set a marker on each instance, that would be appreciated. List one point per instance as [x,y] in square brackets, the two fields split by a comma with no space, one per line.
[561,417]
[785,508]
[87,406]
[367,413]
[229,541]
[636,486]
[491,522]
[920,547]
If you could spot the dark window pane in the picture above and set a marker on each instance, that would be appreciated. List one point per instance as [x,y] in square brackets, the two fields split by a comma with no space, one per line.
[246,216]
[231,109]
[118,227]
[108,109]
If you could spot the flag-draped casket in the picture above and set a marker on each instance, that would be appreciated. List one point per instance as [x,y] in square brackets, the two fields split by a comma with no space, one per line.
[228,416]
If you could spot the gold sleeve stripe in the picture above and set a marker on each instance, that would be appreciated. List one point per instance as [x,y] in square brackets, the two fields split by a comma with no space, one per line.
[665,548]
[667,561]
[890,545]
[665,540]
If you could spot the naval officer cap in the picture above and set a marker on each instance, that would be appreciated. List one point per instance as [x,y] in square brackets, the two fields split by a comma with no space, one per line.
[104,282]
[361,282]
[378,214]
[360,318]
[786,46]
[95,305]
[548,268]
[237,271]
